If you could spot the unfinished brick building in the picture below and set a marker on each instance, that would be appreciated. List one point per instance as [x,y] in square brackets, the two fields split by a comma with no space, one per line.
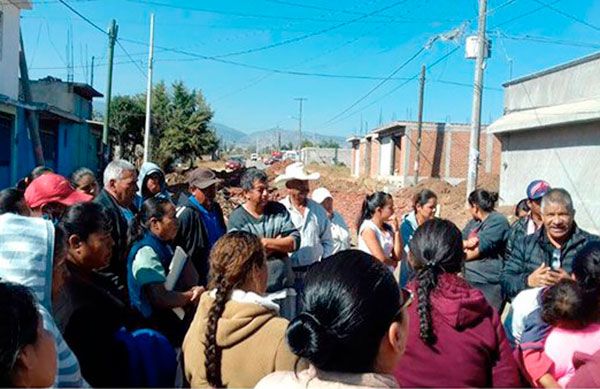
[388,152]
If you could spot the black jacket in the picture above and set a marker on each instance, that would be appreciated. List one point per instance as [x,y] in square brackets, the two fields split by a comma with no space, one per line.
[91,321]
[192,235]
[529,252]
[116,271]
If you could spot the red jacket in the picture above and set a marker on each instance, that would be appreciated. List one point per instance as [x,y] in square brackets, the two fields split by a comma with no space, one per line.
[471,348]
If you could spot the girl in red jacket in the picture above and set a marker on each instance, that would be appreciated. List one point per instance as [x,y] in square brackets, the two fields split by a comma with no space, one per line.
[455,338]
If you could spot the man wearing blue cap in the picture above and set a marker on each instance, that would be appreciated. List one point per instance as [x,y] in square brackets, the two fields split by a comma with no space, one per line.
[533,222]
[545,256]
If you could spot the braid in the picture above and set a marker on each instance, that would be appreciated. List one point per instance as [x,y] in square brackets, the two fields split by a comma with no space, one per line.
[212,352]
[426,280]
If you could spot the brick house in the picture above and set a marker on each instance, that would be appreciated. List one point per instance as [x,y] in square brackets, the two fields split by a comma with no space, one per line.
[388,152]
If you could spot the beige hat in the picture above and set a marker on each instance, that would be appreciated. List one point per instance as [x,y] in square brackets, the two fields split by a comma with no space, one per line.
[296,171]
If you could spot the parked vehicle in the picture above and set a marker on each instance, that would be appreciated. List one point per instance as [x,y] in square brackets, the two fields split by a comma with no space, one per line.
[235,163]
[291,155]
[254,157]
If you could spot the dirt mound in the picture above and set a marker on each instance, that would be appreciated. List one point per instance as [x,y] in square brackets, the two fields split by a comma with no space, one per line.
[349,192]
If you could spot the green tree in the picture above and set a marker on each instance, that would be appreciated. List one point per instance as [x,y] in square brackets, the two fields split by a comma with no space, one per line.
[329,144]
[127,119]
[186,133]
[306,143]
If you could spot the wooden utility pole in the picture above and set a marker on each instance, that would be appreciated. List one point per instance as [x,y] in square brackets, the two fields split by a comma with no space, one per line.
[31,115]
[112,38]
[419,125]
[300,100]
[477,95]
[147,144]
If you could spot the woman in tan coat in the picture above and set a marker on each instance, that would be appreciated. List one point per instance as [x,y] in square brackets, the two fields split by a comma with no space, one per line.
[244,337]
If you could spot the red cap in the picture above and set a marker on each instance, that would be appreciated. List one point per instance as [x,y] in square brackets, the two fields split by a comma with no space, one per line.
[53,188]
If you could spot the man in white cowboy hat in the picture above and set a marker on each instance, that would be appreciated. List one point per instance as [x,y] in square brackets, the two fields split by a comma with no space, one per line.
[309,217]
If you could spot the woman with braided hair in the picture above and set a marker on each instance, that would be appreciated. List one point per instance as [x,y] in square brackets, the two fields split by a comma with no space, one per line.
[454,326]
[236,337]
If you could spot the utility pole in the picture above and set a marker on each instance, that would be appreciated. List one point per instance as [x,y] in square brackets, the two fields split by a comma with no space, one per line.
[419,125]
[149,93]
[31,115]
[300,100]
[112,37]
[92,72]
[477,94]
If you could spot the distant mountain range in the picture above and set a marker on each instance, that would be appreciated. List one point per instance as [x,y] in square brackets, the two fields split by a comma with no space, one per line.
[271,137]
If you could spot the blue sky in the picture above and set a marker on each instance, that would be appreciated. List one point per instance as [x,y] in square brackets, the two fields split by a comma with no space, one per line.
[250,99]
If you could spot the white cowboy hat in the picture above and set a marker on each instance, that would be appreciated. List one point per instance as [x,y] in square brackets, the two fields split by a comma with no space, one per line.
[296,171]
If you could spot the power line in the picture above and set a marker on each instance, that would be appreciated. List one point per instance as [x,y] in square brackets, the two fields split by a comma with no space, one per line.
[94,25]
[567,15]
[377,86]
[131,59]
[63,2]
[395,89]
[230,13]
[524,15]
[271,17]
[310,35]
[389,18]
[543,39]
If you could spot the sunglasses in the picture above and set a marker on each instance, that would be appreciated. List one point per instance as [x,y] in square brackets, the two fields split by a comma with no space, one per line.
[406,298]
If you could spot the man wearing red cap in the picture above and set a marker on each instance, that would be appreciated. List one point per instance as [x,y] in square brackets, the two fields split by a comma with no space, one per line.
[50,194]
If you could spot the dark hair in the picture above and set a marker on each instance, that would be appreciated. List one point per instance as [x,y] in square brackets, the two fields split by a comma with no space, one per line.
[39,171]
[586,266]
[564,306]
[522,206]
[78,174]
[84,219]
[18,328]
[231,262]
[485,200]
[350,300]
[10,199]
[252,175]
[154,207]
[144,188]
[370,205]
[436,248]
[422,197]
[35,173]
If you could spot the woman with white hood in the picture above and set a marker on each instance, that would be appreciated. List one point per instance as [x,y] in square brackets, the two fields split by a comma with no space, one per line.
[28,247]
[151,182]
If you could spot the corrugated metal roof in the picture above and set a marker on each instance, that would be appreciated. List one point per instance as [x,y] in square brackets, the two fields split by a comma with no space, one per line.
[578,112]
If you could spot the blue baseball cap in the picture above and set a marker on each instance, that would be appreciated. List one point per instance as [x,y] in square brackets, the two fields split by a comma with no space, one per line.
[537,189]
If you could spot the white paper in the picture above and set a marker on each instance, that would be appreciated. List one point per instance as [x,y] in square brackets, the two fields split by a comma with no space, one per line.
[175,269]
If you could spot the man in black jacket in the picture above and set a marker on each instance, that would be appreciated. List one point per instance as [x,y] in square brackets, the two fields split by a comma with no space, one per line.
[546,256]
[117,199]
[201,221]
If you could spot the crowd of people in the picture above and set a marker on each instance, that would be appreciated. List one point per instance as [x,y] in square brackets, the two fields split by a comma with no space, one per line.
[122,283]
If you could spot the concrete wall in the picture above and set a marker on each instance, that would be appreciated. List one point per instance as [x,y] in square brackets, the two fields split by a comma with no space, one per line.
[565,86]
[444,154]
[60,95]
[325,156]
[566,157]
[9,50]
